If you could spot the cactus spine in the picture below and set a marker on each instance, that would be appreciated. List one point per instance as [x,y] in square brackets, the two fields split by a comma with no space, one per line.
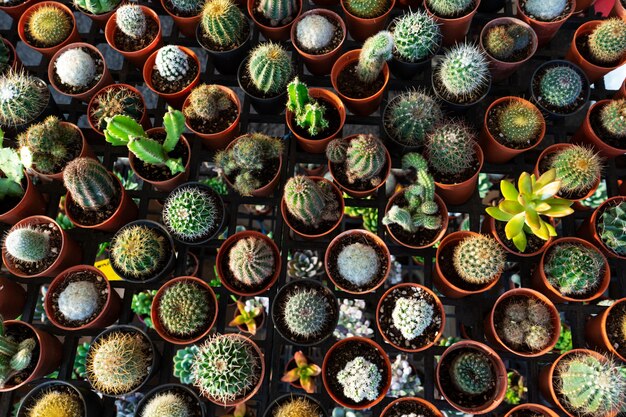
[308,113]
[545,10]
[184,308]
[479,260]
[270,68]
[463,72]
[314,32]
[76,68]
[305,312]
[613,117]
[367,9]
[577,167]
[114,101]
[138,251]
[574,269]
[22,98]
[520,123]
[14,356]
[206,102]
[416,36]
[364,157]
[612,228]
[472,373]
[607,42]
[376,51]
[89,183]
[190,213]
[167,404]
[449,8]
[223,23]
[131,20]
[560,86]
[251,261]
[49,26]
[310,202]
[278,12]
[27,244]
[450,148]
[56,404]
[297,407]
[412,115]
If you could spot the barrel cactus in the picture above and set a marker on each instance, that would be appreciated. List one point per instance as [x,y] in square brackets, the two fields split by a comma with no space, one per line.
[49,25]
[310,202]
[463,72]
[612,228]
[472,373]
[91,186]
[270,68]
[138,251]
[223,23]
[364,159]
[76,68]
[560,86]
[22,98]
[574,269]
[613,117]
[545,10]
[167,404]
[14,356]
[96,6]
[449,8]
[172,63]
[306,312]
[479,260]
[314,32]
[577,167]
[367,9]
[297,407]
[184,308]
[416,36]
[27,244]
[376,51]
[278,12]
[131,20]
[56,403]
[411,116]
[251,261]
[519,123]
[190,213]
[607,42]
[450,148]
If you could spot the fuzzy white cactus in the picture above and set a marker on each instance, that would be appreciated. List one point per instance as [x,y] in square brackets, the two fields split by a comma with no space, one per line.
[314,32]
[412,316]
[358,264]
[172,63]
[78,301]
[75,68]
[131,20]
[360,380]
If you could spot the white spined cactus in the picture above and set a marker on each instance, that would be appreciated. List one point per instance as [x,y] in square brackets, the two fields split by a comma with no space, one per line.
[315,32]
[75,68]
[412,316]
[358,264]
[172,63]
[78,301]
[131,20]
[360,380]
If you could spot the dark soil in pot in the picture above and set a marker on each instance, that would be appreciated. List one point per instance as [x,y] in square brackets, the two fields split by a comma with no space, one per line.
[165,86]
[80,276]
[582,44]
[339,172]
[614,328]
[233,282]
[544,165]
[335,41]
[18,334]
[209,318]
[331,114]
[55,242]
[572,108]
[446,264]
[518,55]
[207,43]
[351,86]
[264,177]
[564,13]
[125,43]
[223,121]
[9,202]
[590,291]
[93,217]
[36,43]
[456,178]
[322,227]
[421,237]
[157,172]
[601,132]
[402,408]
[533,244]
[249,87]
[69,89]
[494,128]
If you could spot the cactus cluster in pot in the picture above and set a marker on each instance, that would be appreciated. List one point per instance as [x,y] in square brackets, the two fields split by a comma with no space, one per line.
[278,12]
[15,356]
[363,158]
[472,373]
[76,69]
[89,183]
[114,101]
[223,23]
[311,202]
[612,228]
[573,269]
[360,380]
[251,261]
[519,123]
[190,213]
[306,312]
[206,102]
[607,42]
[463,74]
[416,36]
[613,118]
[308,113]
[411,116]
[560,86]
[504,41]
[167,404]
[48,26]
[27,244]
[526,323]
[449,8]
[56,403]
[577,167]
[412,316]
[270,68]
[450,149]
[138,251]
[478,260]
[184,309]
[96,6]
[132,21]
[367,9]
[545,10]
[22,98]
[314,32]
[375,52]
[12,172]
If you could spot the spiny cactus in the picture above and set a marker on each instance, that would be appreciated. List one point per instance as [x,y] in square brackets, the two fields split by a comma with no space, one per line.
[560,86]
[526,322]
[613,117]
[172,63]
[545,10]
[49,25]
[412,316]
[91,186]
[472,373]
[78,301]
[131,20]
[226,368]
[360,380]
[336,151]
[612,228]
[190,213]
[137,251]
[577,167]
[186,7]
[499,43]
[574,269]
[364,157]
[206,102]
[310,202]
[463,72]
[297,407]
[167,404]
[607,42]
[358,264]
[96,6]
[450,148]
[306,312]
[114,101]
[449,8]
[412,115]
[56,403]
[519,122]
[27,244]
[278,12]
[47,146]
[479,260]
[75,68]
[14,356]
[416,36]
[184,309]
[314,32]
[251,261]
[223,23]
[376,51]
[308,113]
[367,9]
[22,98]
[270,68]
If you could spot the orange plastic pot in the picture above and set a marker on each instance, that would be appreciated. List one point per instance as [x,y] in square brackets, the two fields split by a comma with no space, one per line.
[144,121]
[12,298]
[453,30]
[589,232]
[532,408]
[31,204]
[586,135]
[176,99]
[360,29]
[84,152]
[596,331]
[185,24]
[489,227]
[454,194]
[273,33]
[545,30]
[16,11]
[618,10]
[422,403]
[137,58]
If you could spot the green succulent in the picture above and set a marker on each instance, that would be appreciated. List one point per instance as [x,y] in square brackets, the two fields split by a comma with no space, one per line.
[183,362]
[612,228]
[573,269]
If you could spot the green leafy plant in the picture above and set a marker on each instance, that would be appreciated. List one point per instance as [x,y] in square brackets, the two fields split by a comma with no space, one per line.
[22,98]
[184,309]
[613,117]
[607,42]
[363,157]
[270,68]
[564,344]
[56,403]
[612,228]
[251,261]
[217,184]
[304,372]
[138,251]
[516,390]
[450,148]
[471,373]
[114,101]
[416,36]
[412,115]
[183,361]
[278,12]
[223,23]
[48,26]
[310,202]
[560,86]
[463,72]
[449,8]
[308,113]
[573,269]
[90,185]
[12,170]
[245,317]
[577,167]
[15,356]
[479,260]
[96,6]
[141,305]
[190,213]
[376,51]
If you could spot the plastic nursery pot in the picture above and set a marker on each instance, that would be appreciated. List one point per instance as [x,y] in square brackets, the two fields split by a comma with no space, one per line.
[319,64]
[453,30]
[489,227]
[69,253]
[318,145]
[596,331]
[109,311]
[587,135]
[359,106]
[445,98]
[158,325]
[354,346]
[226,62]
[49,51]
[374,241]
[545,30]
[223,271]
[410,289]
[271,409]
[540,281]
[176,99]
[50,352]
[263,105]
[531,408]
[12,298]
[589,231]
[137,58]
[219,140]
[15,63]
[502,69]
[91,404]
[17,10]
[496,152]
[31,204]
[189,395]
[459,193]
[93,103]
[185,24]
[410,404]
[446,285]
[272,33]
[360,28]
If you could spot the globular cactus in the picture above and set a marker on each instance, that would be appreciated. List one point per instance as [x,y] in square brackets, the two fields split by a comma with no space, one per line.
[574,269]
[116,101]
[560,86]
[367,9]
[27,244]
[56,403]
[172,63]
[449,8]
[412,316]
[607,42]
[376,51]
[96,6]
[184,309]
[612,228]
[206,102]
[308,113]
[131,20]
[463,72]
[223,23]
[314,32]
[270,68]
[613,117]
[137,251]
[545,10]
[310,202]
[450,148]
[336,150]
[89,183]
[306,312]
[472,373]
[278,12]
[190,213]
[358,264]
[47,146]
[521,34]
[499,43]
[186,7]
[75,68]
[297,407]
[78,301]
[167,404]
[251,261]
[519,122]
[479,260]
[22,98]
[416,36]
[360,380]
[14,356]
[526,323]
[49,26]
[411,116]
[577,167]
[365,159]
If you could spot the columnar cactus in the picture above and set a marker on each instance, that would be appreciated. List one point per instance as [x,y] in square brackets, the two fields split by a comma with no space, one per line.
[412,316]
[27,244]
[184,309]
[223,23]
[607,42]
[131,20]
[450,148]
[360,380]
[574,269]
[560,86]
[376,51]
[138,251]
[305,312]
[116,101]
[479,260]
[308,113]
[172,63]
[463,72]
[449,8]
[56,403]
[412,115]
[358,264]
[75,68]
[167,404]
[577,167]
[472,373]
[545,10]
[46,146]
[78,301]
[251,261]
[314,32]
[613,117]
[278,12]
[96,6]
[519,122]
[310,202]
[270,68]
[364,157]
[186,7]
[49,25]
[190,213]
[22,98]
[206,102]
[612,228]
[416,36]
[91,186]
[14,356]
[367,9]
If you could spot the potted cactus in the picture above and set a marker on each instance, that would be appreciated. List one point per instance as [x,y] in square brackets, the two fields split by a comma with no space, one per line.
[170,400]
[185,13]
[364,18]
[135,32]
[300,405]
[356,373]
[605,228]
[607,330]
[410,317]
[116,99]
[264,75]
[172,72]
[61,398]
[305,312]
[97,10]
[604,127]
[80,298]
[95,197]
[559,88]
[24,99]
[361,76]
[511,126]
[274,18]
[248,263]
[545,17]
[8,57]
[406,406]
[537,409]
[300,373]
[47,26]
[453,16]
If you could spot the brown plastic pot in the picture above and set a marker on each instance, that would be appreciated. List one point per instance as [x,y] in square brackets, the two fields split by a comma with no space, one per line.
[283,210]
[532,408]
[545,30]
[453,30]
[47,52]
[16,11]
[222,261]
[70,253]
[489,226]
[618,10]
[318,145]
[586,135]
[360,29]
[359,106]
[596,331]
[50,353]
[176,99]
[144,121]
[273,33]
[323,63]
[186,25]
[434,411]
[500,377]
[621,93]
[16,64]
[589,232]
[455,194]
[108,314]
[12,298]
[158,326]
[31,204]
[220,140]
[137,58]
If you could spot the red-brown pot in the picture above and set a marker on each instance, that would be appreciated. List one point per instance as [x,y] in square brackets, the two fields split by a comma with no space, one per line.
[185,25]
[434,411]
[31,204]
[47,52]
[220,140]
[618,10]
[453,30]
[222,261]
[500,371]
[455,194]
[144,121]
[545,30]
[384,356]
[589,232]
[16,64]
[137,58]
[533,408]
[596,331]
[108,314]
[495,152]
[176,99]
[16,11]
[70,253]
[583,5]
[283,211]
[50,354]
[158,326]
[586,135]
[319,145]
[489,227]
[12,298]
[360,29]
[359,106]
[621,93]
[319,64]
[273,33]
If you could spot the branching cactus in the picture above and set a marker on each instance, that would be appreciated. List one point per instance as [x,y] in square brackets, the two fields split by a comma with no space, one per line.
[172,63]
[367,9]
[612,228]
[472,373]
[479,260]
[75,68]
[116,101]
[306,312]
[314,32]
[449,8]
[519,122]
[416,36]
[223,23]
[613,117]
[310,202]
[577,167]
[49,26]
[206,102]
[138,251]
[186,7]
[574,269]
[376,51]
[12,172]
[412,115]
[96,6]
[607,42]
[167,404]
[278,12]
[412,316]
[251,261]
[561,86]
[131,20]
[360,380]
[190,213]
[57,403]
[270,68]
[22,98]
[91,186]
[450,148]
[545,10]
[464,71]
[46,146]
[184,309]
[308,113]
[14,356]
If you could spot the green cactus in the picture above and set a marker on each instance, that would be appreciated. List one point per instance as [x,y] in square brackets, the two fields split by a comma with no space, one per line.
[613,117]
[141,305]
[612,228]
[574,269]
[269,67]
[251,261]
[5,56]
[607,42]
[416,36]
[131,20]
[183,362]
[519,122]
[114,101]
[12,172]
[411,116]
[49,25]
[308,113]
[560,86]
[190,213]
[14,356]
[499,43]
[310,202]
[449,8]
[545,10]
[27,244]
[376,51]
[278,12]
[186,7]
[367,9]
[223,23]
[206,102]
[56,403]
[91,186]
[479,260]
[138,251]
[167,404]
[22,98]
[336,151]
[184,309]
[577,167]
[96,6]
[472,373]
[306,312]
[364,158]
[450,148]
[463,72]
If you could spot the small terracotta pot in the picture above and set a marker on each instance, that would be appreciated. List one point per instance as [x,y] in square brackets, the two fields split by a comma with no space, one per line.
[12,298]
[16,11]
[319,145]
[545,30]
[176,99]
[589,232]
[495,152]
[16,64]
[455,194]
[90,403]
[31,204]
[500,377]
[596,331]
[617,11]
[434,411]
[492,335]
[270,411]
[319,64]
[360,28]
[489,227]
[220,140]
[70,252]
[154,312]
[443,210]
[621,93]
[359,106]
[144,121]
[222,261]
[532,408]
[284,211]
[453,30]
[273,33]
[184,391]
[326,379]
[108,314]
[586,135]
[50,51]
[137,58]
[186,25]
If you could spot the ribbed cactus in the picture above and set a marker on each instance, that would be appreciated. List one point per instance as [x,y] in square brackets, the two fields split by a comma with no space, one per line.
[114,101]
[27,244]
[206,102]
[411,116]
[612,228]
[223,23]
[251,261]
[308,113]
[96,6]
[137,251]
[472,373]
[376,51]
[310,202]
[186,7]
[190,213]
[450,148]
[364,159]
[577,167]
[306,312]
[278,12]
[519,122]
[14,356]
[131,20]
[574,269]
[545,10]
[91,186]
[22,98]
[479,260]
[56,403]
[560,86]
[167,404]
[75,68]
[270,68]
[367,9]
[464,71]
[416,36]
[613,117]
[607,42]
[314,32]
[184,308]
[449,8]
[336,150]
[49,26]
[47,146]
[297,407]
